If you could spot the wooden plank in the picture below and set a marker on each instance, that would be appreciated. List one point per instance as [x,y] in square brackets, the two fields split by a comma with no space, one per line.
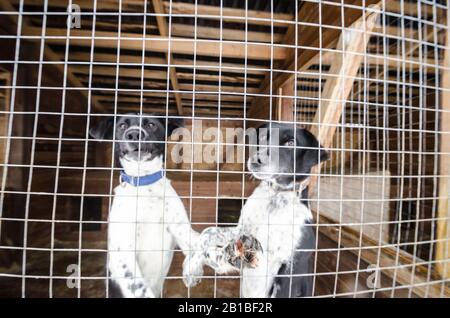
[350,51]
[285,108]
[4,118]
[110,5]
[230,14]
[163,31]
[187,88]
[348,58]
[227,14]
[308,36]
[200,64]
[184,30]
[136,72]
[235,15]
[159,101]
[289,38]
[199,111]
[187,30]
[50,55]
[129,41]
[187,96]
[443,224]
[410,63]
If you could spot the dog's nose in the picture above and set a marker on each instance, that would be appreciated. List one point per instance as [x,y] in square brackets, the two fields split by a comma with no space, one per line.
[133,135]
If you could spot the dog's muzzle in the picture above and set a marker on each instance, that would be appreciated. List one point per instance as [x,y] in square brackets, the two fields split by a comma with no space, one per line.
[135,134]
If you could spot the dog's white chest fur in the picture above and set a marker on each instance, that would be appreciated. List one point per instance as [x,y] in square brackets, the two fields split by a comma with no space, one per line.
[139,212]
[276,220]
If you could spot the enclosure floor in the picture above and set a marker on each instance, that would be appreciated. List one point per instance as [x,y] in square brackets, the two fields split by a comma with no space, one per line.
[93,284]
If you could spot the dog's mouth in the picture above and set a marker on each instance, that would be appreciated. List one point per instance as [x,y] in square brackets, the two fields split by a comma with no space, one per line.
[137,155]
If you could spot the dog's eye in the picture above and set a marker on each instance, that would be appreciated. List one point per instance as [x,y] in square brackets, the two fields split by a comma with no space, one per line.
[151,125]
[123,126]
[290,143]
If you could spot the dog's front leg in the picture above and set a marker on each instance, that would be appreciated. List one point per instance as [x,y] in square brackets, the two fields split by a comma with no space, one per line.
[127,275]
[178,224]
[124,269]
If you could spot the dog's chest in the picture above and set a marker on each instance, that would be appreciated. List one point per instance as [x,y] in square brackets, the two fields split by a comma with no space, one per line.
[276,220]
[138,203]
[143,208]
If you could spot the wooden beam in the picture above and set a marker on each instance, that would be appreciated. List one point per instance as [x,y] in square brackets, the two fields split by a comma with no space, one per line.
[184,88]
[187,30]
[210,12]
[163,31]
[136,72]
[286,106]
[200,64]
[348,58]
[443,224]
[50,55]
[187,96]
[130,41]
[227,14]
[4,118]
[390,61]
[307,36]
[160,101]
[350,51]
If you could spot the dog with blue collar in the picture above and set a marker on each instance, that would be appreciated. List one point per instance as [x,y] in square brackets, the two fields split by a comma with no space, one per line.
[147,219]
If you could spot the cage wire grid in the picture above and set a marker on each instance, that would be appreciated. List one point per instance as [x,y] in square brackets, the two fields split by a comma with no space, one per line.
[378,203]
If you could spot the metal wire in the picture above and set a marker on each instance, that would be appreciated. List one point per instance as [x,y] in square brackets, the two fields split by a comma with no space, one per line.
[375,202]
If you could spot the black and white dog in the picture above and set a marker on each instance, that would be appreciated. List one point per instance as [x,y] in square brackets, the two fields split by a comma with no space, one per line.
[276,214]
[147,219]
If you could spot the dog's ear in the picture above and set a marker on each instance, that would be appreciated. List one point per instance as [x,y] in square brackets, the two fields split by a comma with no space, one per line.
[174,123]
[104,129]
[315,153]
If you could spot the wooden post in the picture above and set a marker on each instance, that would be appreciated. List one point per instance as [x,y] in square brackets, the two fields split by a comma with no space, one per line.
[5,77]
[443,227]
[352,43]
[163,30]
[285,106]
[351,47]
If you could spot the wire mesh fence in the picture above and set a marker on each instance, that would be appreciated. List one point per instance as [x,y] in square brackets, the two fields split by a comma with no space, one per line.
[369,79]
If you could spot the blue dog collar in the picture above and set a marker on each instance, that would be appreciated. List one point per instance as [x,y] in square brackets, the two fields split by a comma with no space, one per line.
[141,181]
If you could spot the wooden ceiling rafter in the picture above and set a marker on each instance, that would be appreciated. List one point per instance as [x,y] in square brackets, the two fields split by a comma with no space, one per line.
[260,106]
[160,44]
[181,32]
[50,55]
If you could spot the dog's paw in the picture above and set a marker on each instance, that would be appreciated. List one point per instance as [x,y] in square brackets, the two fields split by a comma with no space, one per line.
[245,251]
[192,272]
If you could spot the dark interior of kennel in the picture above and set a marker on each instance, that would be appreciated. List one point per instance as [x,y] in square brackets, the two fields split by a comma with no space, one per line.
[53,199]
